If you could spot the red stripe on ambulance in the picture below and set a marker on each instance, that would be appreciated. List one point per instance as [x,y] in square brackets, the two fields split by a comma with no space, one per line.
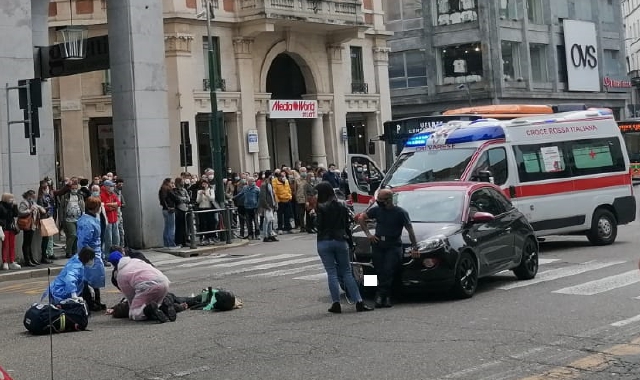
[570,185]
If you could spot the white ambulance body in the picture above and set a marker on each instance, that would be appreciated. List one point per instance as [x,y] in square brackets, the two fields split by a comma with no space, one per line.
[568,173]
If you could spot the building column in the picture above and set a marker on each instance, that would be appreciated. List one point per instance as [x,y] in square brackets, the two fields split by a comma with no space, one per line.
[318,152]
[140,121]
[46,146]
[243,49]
[381,68]
[71,122]
[338,87]
[293,137]
[264,160]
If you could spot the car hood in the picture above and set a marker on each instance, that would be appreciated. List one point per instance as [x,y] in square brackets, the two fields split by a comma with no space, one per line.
[422,230]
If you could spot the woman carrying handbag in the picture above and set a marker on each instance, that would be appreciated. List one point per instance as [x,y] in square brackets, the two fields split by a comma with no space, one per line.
[29,214]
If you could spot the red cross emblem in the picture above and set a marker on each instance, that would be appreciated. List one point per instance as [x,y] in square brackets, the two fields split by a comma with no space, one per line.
[592,154]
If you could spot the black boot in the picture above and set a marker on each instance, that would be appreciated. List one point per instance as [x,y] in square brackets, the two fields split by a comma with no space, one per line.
[387,302]
[99,306]
[153,313]
[28,261]
[168,309]
[335,308]
[379,300]
[361,306]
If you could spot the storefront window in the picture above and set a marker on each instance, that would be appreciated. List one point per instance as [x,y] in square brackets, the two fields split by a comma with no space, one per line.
[511,60]
[407,69]
[402,9]
[456,11]
[461,63]
[509,10]
[538,55]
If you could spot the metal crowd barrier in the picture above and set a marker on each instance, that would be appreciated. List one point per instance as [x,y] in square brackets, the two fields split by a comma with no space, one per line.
[227,228]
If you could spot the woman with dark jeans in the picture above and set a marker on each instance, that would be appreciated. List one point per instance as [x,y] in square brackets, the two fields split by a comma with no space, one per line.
[46,201]
[183,199]
[333,235]
[29,208]
[208,220]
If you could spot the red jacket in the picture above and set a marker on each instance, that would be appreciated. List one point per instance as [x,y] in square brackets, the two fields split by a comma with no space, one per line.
[107,197]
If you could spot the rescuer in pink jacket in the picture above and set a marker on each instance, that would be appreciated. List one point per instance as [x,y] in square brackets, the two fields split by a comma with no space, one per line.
[143,285]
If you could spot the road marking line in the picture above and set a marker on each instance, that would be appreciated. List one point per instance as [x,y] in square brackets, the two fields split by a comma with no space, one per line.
[182,260]
[602,285]
[284,272]
[255,261]
[268,266]
[555,274]
[211,261]
[312,277]
[627,321]
[540,262]
[467,371]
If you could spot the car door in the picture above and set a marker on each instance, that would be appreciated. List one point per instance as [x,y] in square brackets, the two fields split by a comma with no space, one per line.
[364,177]
[510,219]
[492,239]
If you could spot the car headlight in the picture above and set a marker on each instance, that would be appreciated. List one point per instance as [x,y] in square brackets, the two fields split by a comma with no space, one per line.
[432,244]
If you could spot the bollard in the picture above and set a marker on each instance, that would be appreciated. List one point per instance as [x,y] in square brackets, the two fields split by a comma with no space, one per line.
[227,214]
[191,222]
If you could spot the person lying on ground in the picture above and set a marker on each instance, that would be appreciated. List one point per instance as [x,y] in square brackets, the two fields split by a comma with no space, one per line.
[144,287]
[180,304]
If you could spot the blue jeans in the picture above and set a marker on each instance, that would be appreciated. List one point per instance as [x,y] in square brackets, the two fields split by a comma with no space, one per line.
[267,225]
[335,258]
[111,237]
[169,232]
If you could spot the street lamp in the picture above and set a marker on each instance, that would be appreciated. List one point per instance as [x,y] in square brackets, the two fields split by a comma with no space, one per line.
[73,44]
[215,135]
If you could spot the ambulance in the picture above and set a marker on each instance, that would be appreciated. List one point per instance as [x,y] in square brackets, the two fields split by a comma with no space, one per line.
[569,172]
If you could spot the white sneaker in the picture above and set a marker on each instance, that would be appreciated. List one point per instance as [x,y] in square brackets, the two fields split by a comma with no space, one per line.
[14,266]
[5,266]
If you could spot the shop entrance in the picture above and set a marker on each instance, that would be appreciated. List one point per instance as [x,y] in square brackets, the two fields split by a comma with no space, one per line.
[289,140]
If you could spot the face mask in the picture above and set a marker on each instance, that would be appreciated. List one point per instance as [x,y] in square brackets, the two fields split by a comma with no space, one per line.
[381,203]
[236,178]
[263,176]
[111,189]
[210,176]
[187,182]
[89,264]
[303,175]
[282,179]
[229,171]
[95,194]
[74,191]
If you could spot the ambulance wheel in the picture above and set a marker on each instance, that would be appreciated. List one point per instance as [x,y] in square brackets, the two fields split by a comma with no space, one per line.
[604,227]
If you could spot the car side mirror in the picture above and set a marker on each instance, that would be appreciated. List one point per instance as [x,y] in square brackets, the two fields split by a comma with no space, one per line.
[372,147]
[482,217]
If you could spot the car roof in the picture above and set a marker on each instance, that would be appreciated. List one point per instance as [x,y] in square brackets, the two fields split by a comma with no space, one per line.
[467,186]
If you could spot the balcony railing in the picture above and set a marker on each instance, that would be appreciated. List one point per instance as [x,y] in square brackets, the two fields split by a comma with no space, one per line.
[106,88]
[359,88]
[221,85]
[345,12]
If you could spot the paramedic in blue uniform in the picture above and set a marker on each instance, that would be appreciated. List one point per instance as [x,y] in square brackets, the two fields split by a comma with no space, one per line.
[387,243]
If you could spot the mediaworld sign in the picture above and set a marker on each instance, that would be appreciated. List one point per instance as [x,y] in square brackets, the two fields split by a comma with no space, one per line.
[614,83]
[293,109]
[581,48]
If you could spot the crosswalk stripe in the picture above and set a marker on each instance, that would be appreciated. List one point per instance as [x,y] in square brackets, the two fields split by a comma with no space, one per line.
[268,266]
[181,260]
[211,261]
[602,285]
[255,261]
[285,272]
[555,274]
[312,277]
[627,321]
[540,262]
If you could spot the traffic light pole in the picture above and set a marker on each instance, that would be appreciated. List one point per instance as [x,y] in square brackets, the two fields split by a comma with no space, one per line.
[32,143]
[214,129]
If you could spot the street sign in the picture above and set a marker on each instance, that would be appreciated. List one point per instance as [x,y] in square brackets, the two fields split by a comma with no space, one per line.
[51,62]
[345,135]
[252,141]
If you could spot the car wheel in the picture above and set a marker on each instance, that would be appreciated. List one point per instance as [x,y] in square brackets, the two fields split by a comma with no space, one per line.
[466,276]
[528,267]
[604,228]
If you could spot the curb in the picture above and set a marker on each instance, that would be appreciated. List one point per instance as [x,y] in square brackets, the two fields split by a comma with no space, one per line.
[203,251]
[29,273]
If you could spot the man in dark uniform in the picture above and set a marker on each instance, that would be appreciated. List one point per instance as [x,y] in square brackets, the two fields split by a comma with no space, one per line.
[387,242]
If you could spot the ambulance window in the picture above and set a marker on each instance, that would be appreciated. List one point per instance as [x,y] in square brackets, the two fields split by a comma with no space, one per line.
[540,162]
[597,156]
[494,160]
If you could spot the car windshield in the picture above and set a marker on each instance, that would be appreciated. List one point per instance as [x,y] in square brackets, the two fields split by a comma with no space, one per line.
[428,166]
[432,206]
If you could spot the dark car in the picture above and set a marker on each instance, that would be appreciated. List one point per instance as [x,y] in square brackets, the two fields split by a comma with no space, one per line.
[465,231]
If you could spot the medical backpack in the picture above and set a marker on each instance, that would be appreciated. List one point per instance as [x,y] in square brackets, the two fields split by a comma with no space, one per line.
[69,315]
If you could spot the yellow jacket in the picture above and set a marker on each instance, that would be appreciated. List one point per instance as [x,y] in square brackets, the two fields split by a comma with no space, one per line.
[282,191]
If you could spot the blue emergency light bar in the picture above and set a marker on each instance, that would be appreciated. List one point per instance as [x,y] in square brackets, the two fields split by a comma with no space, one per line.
[419,139]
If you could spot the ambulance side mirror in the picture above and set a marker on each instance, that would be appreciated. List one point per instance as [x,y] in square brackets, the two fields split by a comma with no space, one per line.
[485,176]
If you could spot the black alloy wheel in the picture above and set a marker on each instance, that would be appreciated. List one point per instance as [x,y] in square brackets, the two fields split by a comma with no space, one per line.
[466,280]
[528,267]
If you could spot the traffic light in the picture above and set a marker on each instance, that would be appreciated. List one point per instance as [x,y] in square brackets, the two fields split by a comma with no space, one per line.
[35,96]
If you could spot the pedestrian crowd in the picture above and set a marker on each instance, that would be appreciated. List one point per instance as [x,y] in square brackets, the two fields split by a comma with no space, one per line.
[265,204]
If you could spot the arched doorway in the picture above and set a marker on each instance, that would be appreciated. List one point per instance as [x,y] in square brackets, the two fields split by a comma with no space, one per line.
[289,140]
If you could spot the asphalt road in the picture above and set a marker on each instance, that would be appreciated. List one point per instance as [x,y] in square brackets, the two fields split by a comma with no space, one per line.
[579,319]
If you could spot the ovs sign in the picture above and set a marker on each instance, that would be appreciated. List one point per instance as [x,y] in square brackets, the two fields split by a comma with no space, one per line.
[581,46]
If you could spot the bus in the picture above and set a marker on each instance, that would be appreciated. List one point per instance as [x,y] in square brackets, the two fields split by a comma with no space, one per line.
[630,130]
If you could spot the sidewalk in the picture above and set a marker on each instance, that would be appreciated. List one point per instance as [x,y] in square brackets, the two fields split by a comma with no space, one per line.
[155,255]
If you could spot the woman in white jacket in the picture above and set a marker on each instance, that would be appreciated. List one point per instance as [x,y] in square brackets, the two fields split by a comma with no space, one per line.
[208,221]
